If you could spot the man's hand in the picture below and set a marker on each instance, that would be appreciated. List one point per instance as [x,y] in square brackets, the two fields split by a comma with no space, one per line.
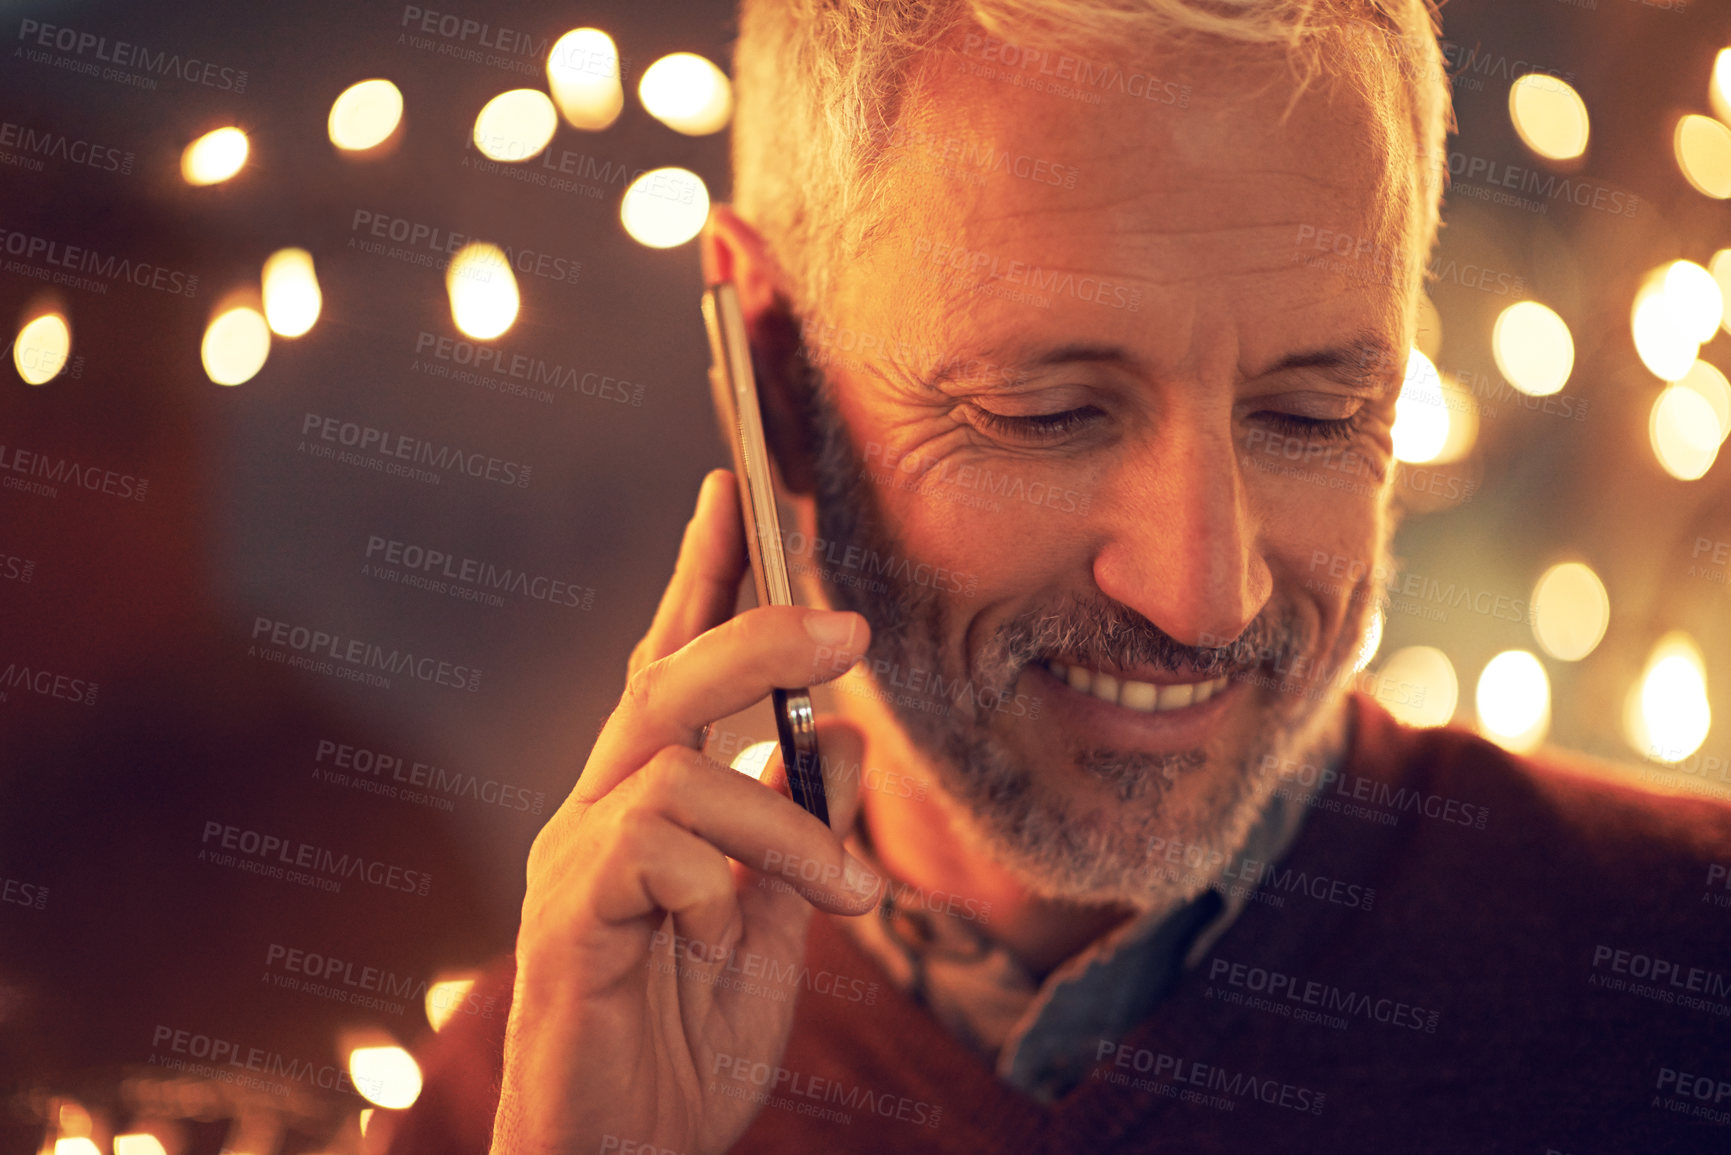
[611,1032]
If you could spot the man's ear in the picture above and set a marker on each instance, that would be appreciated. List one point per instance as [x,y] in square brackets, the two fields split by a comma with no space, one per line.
[734,251]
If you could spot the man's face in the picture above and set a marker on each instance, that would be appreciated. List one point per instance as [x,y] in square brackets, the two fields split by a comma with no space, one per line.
[1097,373]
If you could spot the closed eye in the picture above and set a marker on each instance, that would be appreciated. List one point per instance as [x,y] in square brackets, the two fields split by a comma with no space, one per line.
[1037,428]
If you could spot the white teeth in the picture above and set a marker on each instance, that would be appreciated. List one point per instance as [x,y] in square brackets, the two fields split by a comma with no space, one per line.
[1105,688]
[1079,678]
[1138,695]
[1177,697]
[1143,697]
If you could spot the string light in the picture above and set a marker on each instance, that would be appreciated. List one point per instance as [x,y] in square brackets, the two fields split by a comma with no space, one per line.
[515,126]
[583,76]
[236,344]
[42,348]
[687,93]
[214,157]
[292,299]
[365,115]
[1549,116]
[483,291]
[665,207]
[1533,348]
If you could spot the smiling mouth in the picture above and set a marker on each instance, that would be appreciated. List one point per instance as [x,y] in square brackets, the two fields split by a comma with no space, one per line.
[1143,697]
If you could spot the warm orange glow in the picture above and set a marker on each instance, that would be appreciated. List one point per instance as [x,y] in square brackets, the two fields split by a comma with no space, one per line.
[387,1075]
[365,115]
[235,346]
[292,299]
[1703,148]
[665,207]
[583,75]
[1533,348]
[687,93]
[1425,679]
[214,157]
[1514,701]
[1666,716]
[516,125]
[43,346]
[483,290]
[1570,611]
[1549,116]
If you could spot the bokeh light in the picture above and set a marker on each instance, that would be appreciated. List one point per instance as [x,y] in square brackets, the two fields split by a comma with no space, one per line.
[1684,432]
[214,157]
[235,346]
[42,348]
[516,125]
[291,292]
[1421,416]
[687,93]
[1720,268]
[483,290]
[138,1143]
[1666,319]
[1533,348]
[1703,148]
[386,1075]
[78,1145]
[1719,90]
[1549,116]
[1422,687]
[1666,716]
[1514,701]
[1570,611]
[445,998]
[665,207]
[365,115]
[583,76]
[1705,379]
[1693,292]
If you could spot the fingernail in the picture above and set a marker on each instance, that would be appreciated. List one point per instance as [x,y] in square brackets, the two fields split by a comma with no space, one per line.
[858,877]
[831,627]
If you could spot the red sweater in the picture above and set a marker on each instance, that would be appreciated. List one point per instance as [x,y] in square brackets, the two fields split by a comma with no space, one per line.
[1558,980]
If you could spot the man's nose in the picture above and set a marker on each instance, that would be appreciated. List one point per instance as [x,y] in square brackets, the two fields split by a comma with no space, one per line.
[1182,547]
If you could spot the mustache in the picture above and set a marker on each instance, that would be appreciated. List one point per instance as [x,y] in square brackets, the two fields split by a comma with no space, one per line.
[1099,632]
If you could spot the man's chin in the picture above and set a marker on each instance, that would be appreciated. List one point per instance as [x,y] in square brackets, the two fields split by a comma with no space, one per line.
[1101,833]
[1146,828]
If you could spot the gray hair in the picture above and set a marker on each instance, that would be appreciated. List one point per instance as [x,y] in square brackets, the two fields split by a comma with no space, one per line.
[821,85]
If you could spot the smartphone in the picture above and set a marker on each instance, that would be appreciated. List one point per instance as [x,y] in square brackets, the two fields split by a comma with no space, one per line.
[733,383]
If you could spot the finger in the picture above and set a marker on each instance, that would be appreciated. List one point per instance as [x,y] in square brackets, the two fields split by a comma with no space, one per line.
[742,819]
[705,583]
[721,672]
[647,867]
[841,756]
[768,903]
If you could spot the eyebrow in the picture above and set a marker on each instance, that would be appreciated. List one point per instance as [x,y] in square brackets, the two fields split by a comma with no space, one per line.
[1355,364]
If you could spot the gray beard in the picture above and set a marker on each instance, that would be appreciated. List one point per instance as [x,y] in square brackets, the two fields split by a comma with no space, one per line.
[1057,847]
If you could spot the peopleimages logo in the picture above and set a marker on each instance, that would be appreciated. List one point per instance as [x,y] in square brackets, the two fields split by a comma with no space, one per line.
[431,245]
[32,143]
[35,680]
[75,265]
[269,854]
[354,652]
[123,55]
[368,440]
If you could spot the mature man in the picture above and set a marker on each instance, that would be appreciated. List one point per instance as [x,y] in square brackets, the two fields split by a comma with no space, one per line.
[1132,869]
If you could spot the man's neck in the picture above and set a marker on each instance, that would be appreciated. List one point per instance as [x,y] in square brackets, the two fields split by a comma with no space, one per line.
[921,844]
